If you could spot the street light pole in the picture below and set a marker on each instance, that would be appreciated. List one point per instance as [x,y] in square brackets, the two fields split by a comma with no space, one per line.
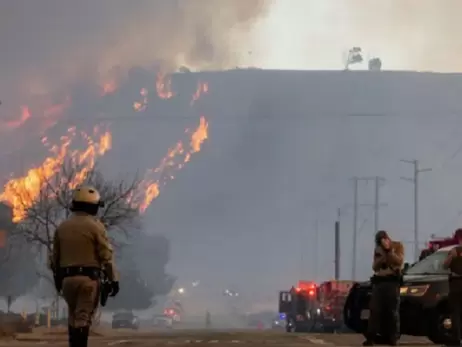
[415,181]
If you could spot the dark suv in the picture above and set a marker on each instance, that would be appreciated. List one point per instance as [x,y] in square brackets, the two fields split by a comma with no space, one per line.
[125,320]
[424,305]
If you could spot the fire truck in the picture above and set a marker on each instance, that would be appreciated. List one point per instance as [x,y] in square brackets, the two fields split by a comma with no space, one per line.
[300,307]
[332,297]
[436,243]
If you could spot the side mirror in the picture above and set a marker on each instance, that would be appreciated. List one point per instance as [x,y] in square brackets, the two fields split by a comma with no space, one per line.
[406,267]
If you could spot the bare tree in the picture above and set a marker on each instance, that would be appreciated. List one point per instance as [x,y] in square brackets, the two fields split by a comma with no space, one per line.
[43,210]
[46,209]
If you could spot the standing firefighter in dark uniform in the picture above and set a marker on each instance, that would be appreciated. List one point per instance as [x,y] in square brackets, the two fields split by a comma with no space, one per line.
[384,306]
[81,250]
[454,263]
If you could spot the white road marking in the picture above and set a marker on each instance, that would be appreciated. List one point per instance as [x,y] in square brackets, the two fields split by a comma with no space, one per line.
[202,341]
[119,342]
[314,340]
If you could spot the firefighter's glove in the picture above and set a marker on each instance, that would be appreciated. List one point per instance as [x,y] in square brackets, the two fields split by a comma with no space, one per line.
[114,288]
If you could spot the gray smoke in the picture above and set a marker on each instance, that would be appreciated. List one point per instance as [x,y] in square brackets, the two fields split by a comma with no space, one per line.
[57,40]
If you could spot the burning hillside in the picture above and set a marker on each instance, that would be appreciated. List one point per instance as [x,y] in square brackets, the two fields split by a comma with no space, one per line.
[87,146]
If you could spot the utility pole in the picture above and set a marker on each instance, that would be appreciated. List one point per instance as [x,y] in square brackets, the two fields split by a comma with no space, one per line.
[378,180]
[377,206]
[316,251]
[337,247]
[355,226]
[415,181]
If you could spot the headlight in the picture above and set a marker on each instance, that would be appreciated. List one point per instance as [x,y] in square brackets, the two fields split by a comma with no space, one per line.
[414,290]
[318,311]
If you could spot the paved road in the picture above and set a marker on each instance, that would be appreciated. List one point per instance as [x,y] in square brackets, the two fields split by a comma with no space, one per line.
[208,338]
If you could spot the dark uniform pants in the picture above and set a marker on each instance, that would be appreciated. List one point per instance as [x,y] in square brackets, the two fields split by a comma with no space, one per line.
[455,301]
[384,308]
[82,295]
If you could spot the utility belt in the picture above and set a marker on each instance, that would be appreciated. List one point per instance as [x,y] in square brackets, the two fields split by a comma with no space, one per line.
[393,278]
[93,273]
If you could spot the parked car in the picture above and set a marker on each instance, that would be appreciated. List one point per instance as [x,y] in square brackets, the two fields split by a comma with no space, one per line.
[163,321]
[125,320]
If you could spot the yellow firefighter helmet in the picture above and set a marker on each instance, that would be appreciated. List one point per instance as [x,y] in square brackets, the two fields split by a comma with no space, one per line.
[86,194]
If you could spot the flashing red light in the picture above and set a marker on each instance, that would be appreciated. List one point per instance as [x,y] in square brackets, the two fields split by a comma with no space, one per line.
[311,293]
[298,289]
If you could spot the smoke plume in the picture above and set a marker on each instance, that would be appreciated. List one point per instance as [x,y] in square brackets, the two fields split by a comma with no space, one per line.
[65,39]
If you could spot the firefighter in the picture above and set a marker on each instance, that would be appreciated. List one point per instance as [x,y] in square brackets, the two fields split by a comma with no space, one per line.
[453,262]
[384,305]
[81,250]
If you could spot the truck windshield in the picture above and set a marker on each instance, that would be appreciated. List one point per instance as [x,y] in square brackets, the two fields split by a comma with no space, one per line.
[433,264]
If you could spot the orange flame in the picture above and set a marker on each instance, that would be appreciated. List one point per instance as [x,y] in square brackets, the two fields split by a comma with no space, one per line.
[164,86]
[21,193]
[202,88]
[175,160]
[25,115]
[54,112]
[108,88]
[140,106]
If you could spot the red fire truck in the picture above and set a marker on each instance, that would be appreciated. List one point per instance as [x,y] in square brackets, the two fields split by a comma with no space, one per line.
[299,305]
[332,297]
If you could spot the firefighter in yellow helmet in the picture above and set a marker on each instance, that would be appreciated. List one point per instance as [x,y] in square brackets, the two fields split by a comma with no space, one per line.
[81,250]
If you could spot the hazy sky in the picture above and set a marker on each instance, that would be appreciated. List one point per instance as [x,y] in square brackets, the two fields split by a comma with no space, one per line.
[315,34]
